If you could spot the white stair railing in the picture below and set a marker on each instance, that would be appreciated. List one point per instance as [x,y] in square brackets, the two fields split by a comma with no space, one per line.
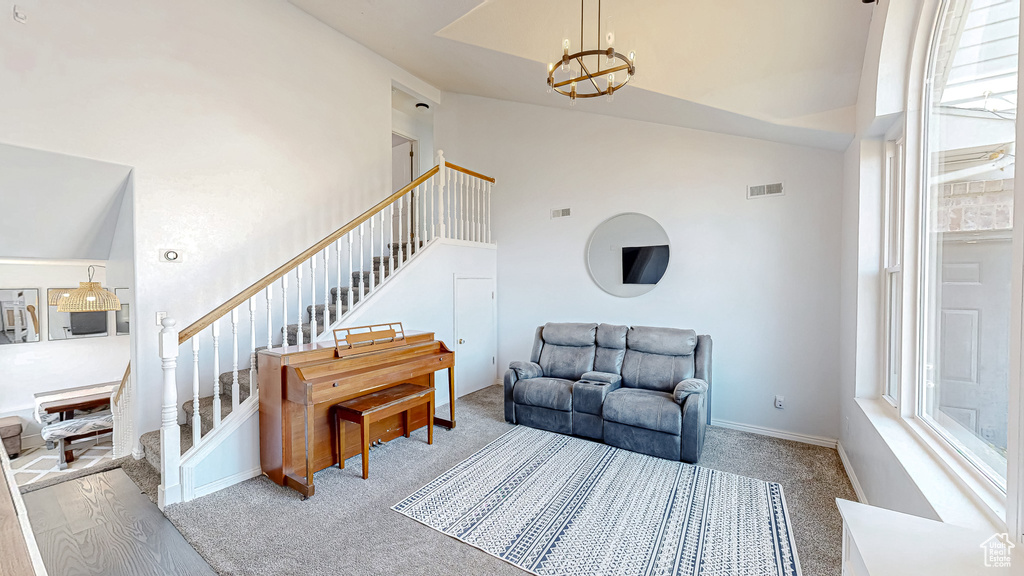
[445,203]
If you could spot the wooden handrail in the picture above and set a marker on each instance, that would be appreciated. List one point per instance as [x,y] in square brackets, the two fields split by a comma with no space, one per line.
[267,280]
[468,171]
[124,380]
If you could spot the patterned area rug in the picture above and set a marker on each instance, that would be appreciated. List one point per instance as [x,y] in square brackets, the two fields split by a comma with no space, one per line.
[553,504]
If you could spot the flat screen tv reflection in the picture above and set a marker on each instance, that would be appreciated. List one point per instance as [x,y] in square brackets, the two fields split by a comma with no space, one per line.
[644,264]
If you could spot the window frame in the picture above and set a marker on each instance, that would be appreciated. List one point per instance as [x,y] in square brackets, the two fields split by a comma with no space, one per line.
[893,229]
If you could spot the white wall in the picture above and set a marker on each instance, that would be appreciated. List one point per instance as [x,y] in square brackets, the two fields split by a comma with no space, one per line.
[27,369]
[422,296]
[760,276]
[253,130]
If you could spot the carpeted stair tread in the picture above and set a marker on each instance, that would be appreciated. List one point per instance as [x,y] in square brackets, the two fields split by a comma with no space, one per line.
[320,312]
[342,292]
[206,408]
[293,330]
[151,444]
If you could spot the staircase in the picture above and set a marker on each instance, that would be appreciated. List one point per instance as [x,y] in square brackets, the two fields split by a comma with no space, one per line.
[322,286]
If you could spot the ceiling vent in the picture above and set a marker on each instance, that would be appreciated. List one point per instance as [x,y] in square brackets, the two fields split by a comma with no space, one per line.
[762,190]
[560,213]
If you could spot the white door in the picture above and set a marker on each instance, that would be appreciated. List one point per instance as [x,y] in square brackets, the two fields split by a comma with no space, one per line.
[476,337]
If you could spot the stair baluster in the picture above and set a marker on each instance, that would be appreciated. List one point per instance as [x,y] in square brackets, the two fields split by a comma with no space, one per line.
[362,247]
[298,305]
[270,319]
[411,214]
[337,294]
[391,235]
[489,198]
[400,238]
[252,346]
[234,360]
[284,310]
[476,209]
[379,267]
[348,283]
[371,256]
[327,294]
[196,418]
[312,301]
[216,372]
[442,203]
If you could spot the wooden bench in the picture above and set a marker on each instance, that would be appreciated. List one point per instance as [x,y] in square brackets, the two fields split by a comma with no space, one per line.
[370,408]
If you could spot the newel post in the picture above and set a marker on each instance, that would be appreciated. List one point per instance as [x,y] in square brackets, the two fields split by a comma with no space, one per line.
[170,433]
[441,205]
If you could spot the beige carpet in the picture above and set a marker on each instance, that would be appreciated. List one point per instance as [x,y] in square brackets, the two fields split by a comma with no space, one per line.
[257,527]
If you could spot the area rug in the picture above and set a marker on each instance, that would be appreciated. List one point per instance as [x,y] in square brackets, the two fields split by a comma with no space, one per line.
[557,505]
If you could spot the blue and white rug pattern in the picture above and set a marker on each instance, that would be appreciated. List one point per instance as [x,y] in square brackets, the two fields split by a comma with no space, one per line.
[553,504]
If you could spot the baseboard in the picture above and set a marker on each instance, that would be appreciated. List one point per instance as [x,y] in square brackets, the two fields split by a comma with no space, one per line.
[795,437]
[851,474]
[226,482]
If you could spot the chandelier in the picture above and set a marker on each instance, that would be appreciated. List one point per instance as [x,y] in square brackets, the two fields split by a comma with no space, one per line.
[587,82]
[88,297]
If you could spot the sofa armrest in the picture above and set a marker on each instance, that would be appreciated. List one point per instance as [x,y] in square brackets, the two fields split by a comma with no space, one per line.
[694,426]
[510,382]
[589,393]
[688,387]
[602,377]
[526,370]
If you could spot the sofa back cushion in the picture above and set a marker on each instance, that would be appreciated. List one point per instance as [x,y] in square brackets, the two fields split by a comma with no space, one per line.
[658,358]
[568,350]
[611,348]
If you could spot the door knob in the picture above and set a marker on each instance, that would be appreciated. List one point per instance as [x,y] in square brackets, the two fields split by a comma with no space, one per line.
[461,341]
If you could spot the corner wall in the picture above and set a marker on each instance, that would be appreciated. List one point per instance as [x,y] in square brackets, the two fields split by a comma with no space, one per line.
[760,276]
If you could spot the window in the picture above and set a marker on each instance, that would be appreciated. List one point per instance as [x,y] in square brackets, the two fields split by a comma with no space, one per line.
[966,225]
[893,274]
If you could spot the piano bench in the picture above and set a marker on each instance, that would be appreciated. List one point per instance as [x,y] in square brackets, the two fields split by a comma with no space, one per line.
[367,409]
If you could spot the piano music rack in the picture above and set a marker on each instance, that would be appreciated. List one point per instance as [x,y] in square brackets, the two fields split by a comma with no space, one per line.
[360,339]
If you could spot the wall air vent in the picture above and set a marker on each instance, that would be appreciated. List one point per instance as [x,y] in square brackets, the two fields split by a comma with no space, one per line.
[560,213]
[763,190]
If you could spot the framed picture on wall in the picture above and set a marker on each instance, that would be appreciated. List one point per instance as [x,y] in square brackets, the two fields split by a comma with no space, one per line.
[121,317]
[19,315]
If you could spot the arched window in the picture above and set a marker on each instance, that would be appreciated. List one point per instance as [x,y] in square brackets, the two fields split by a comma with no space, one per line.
[966,223]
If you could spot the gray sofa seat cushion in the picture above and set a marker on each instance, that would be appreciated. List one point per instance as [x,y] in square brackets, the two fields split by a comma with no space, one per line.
[526,370]
[687,387]
[665,341]
[647,409]
[552,393]
[655,371]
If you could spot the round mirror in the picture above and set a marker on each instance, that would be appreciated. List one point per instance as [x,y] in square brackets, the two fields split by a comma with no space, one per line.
[627,254]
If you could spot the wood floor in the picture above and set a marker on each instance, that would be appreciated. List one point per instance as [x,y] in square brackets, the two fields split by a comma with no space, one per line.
[102,524]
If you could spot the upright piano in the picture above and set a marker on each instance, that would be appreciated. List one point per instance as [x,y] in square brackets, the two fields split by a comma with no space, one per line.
[298,385]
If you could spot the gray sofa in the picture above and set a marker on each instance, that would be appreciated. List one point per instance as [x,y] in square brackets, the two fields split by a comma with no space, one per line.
[640,388]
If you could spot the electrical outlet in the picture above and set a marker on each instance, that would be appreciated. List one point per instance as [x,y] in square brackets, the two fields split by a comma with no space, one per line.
[778,401]
[160,318]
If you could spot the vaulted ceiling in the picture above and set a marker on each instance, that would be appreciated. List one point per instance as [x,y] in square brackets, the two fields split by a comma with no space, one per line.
[781,70]
[54,206]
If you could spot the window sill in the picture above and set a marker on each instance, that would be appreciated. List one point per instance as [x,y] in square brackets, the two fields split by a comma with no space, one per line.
[953,488]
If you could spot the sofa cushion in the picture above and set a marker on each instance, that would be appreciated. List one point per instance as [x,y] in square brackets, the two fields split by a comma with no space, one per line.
[553,393]
[655,371]
[75,426]
[567,334]
[666,341]
[611,346]
[647,409]
[566,361]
